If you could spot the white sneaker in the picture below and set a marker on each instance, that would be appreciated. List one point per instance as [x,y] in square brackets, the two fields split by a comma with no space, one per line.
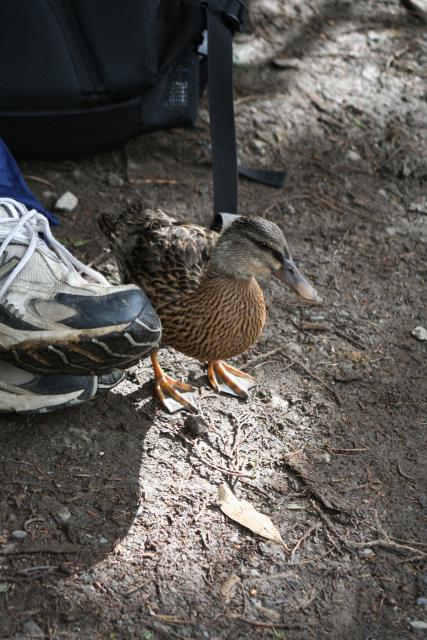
[56,314]
[25,392]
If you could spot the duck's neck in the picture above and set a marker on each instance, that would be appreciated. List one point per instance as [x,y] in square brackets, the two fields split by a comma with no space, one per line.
[213,273]
[229,262]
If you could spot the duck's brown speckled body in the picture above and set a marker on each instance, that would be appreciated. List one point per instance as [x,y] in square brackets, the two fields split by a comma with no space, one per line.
[219,320]
[203,287]
[204,315]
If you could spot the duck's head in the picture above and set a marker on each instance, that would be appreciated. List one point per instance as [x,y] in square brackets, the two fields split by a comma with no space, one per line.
[255,246]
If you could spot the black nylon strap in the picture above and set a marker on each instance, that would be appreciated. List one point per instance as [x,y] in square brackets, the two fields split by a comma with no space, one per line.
[274,179]
[221,114]
[221,111]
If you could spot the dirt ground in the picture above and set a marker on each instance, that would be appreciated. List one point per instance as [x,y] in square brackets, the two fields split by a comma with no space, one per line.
[124,535]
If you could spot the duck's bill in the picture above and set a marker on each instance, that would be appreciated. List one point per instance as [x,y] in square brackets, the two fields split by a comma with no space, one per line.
[290,275]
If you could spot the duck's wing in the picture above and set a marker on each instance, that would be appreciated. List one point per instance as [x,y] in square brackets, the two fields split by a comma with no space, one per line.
[157,251]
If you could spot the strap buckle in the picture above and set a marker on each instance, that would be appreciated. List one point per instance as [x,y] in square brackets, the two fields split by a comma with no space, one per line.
[223,220]
[233,14]
[202,49]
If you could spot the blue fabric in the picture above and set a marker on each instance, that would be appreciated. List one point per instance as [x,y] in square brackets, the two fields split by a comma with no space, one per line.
[13,185]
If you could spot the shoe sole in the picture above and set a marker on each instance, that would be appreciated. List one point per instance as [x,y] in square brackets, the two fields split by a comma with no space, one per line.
[20,401]
[93,351]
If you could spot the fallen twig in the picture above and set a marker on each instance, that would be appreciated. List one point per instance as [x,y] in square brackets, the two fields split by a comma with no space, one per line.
[43,568]
[232,472]
[349,339]
[316,377]
[421,544]
[304,537]
[327,496]
[41,180]
[65,549]
[306,325]
[245,99]
[260,358]
[134,590]
[153,181]
[316,197]
[379,542]
[345,451]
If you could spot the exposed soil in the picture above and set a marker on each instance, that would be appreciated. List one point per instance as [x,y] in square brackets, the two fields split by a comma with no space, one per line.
[124,535]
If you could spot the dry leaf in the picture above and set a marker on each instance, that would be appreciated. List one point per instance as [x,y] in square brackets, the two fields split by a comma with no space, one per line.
[245,514]
[229,587]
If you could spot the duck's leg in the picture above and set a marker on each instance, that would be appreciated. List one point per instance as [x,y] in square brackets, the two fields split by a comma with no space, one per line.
[172,394]
[223,377]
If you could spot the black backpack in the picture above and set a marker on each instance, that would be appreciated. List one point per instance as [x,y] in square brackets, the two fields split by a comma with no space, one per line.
[78,76]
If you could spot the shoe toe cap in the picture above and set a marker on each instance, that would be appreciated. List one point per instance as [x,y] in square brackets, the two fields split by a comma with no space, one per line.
[113,308]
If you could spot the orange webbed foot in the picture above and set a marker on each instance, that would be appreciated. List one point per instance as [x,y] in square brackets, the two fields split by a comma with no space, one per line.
[173,395]
[227,379]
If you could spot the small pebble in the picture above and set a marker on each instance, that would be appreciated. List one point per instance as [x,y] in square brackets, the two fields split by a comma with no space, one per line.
[67,202]
[103,540]
[421,602]
[64,514]
[418,625]
[419,333]
[19,535]
[196,425]
[353,156]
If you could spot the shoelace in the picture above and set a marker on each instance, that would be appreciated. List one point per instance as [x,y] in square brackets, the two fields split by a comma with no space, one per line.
[25,227]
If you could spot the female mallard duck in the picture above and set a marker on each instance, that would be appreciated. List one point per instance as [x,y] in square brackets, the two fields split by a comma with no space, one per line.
[203,287]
